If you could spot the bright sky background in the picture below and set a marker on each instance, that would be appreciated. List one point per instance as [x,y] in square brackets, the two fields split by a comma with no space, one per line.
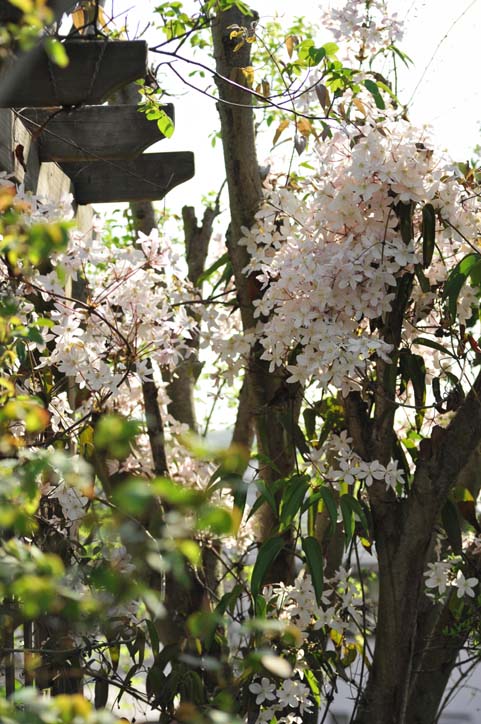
[442,37]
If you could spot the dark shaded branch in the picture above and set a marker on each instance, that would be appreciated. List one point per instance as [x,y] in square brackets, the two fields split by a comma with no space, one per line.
[272,401]
[155,427]
[244,424]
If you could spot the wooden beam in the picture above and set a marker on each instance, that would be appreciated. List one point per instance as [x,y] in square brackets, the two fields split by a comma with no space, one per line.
[18,152]
[147,178]
[92,132]
[19,158]
[96,69]
[52,184]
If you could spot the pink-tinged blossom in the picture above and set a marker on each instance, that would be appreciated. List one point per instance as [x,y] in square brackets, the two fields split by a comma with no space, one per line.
[365,29]
[330,255]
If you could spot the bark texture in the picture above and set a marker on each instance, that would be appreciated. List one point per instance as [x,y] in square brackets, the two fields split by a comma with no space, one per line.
[403,533]
[273,405]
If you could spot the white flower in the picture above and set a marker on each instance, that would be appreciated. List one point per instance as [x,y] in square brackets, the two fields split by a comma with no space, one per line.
[465,586]
[437,575]
[290,719]
[394,477]
[263,690]
[295,694]
[265,717]
[369,472]
[287,694]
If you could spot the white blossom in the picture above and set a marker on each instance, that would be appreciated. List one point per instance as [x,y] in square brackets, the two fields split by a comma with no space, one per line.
[464,585]
[263,690]
[437,575]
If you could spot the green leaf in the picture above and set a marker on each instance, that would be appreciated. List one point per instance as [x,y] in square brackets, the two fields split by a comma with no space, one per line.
[413,369]
[330,49]
[153,637]
[165,124]
[424,282]
[135,496]
[229,600]
[315,564]
[295,433]
[260,606]
[217,520]
[470,265]
[372,87]
[405,214]
[432,344]
[429,233]
[266,556]
[313,685]
[24,5]
[177,494]
[355,506]
[56,52]
[316,55]
[266,496]
[222,261]
[332,414]
[325,495]
[203,625]
[101,692]
[451,524]
[331,505]
[404,56]
[310,415]
[347,518]
[115,435]
[292,499]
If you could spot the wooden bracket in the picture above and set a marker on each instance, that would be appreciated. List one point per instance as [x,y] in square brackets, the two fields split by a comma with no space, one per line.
[147,178]
[92,133]
[96,69]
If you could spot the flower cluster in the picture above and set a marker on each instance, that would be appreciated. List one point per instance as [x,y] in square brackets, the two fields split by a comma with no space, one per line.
[329,256]
[335,462]
[134,309]
[365,28]
[295,605]
[442,575]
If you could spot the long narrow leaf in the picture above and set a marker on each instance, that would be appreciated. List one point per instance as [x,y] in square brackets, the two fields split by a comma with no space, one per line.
[315,564]
[330,503]
[433,345]
[348,519]
[429,234]
[268,553]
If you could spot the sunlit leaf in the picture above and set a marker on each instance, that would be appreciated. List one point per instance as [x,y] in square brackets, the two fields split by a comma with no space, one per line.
[56,52]
[291,42]
[280,128]
[165,124]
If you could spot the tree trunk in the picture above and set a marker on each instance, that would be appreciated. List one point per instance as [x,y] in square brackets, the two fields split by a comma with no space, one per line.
[403,532]
[274,405]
